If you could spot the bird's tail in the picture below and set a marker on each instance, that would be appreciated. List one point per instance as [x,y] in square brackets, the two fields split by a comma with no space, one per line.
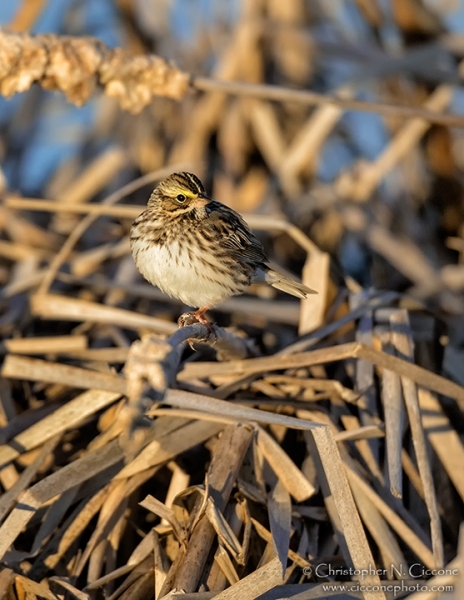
[286,284]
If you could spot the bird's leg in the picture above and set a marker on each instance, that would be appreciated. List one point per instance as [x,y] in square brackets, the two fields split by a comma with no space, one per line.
[198,314]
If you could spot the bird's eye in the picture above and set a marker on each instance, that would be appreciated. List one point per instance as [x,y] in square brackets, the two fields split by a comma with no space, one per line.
[180,198]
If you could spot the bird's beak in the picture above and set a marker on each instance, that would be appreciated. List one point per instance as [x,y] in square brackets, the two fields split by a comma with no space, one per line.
[201,201]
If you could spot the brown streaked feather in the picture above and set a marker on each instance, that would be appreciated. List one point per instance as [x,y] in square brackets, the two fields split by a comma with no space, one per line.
[181,181]
[235,235]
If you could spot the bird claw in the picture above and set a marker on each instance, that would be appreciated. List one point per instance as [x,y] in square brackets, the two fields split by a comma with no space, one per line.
[191,318]
[187,319]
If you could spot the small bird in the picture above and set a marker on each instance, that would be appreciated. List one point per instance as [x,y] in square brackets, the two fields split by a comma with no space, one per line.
[199,250]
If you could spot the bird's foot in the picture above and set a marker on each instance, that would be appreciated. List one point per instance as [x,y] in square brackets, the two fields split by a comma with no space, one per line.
[187,319]
[191,318]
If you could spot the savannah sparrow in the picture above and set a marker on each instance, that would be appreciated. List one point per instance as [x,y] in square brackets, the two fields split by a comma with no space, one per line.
[198,250]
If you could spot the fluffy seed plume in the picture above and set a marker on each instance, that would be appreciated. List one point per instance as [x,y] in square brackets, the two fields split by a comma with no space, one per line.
[78,66]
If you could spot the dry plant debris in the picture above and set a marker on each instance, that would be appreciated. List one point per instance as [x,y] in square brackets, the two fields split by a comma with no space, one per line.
[301,438]
[254,502]
[76,66]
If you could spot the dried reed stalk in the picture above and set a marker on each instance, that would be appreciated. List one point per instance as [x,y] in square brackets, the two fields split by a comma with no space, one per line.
[78,66]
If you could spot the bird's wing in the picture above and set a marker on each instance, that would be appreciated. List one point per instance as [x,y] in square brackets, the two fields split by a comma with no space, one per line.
[235,235]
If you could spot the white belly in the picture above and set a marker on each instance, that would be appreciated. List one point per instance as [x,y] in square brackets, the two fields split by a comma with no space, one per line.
[182,277]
